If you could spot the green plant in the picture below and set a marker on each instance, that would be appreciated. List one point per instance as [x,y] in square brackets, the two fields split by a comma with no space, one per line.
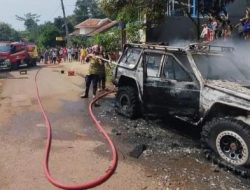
[133,32]
[110,40]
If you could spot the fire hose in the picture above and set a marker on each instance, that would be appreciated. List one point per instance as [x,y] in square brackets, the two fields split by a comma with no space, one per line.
[90,184]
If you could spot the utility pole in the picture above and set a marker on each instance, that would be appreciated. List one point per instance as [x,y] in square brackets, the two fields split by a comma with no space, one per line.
[66,24]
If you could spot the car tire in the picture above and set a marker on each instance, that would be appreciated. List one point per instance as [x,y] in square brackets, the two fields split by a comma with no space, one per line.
[127,102]
[34,63]
[15,66]
[28,62]
[227,143]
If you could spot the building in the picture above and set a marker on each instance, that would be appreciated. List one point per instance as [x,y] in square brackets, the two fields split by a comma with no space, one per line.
[93,26]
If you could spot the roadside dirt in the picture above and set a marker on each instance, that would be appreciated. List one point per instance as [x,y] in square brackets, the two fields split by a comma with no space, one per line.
[172,159]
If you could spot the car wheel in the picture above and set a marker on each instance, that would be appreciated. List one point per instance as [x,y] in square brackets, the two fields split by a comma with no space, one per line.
[15,66]
[34,63]
[227,142]
[127,102]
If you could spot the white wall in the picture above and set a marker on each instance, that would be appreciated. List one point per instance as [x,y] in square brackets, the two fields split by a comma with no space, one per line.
[84,31]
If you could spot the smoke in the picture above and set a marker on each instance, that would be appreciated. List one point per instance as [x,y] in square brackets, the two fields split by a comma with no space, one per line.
[233,66]
[181,43]
[240,55]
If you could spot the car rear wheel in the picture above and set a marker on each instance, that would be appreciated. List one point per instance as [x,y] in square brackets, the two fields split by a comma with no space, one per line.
[227,141]
[127,102]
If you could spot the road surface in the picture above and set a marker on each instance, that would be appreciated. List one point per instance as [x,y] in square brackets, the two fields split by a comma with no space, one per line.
[173,158]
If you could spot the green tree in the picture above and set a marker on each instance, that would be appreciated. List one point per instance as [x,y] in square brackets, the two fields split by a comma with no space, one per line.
[30,20]
[59,23]
[31,24]
[47,35]
[86,9]
[110,40]
[133,10]
[154,10]
[7,33]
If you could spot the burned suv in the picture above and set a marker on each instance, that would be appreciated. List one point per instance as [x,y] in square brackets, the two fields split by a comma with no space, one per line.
[204,85]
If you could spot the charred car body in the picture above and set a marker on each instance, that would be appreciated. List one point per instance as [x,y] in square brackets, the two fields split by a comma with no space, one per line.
[16,54]
[200,84]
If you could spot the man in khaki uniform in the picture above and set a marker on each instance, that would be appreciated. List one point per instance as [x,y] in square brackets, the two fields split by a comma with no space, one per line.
[95,69]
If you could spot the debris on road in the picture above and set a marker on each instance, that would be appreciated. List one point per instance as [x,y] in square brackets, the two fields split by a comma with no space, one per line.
[23,72]
[138,150]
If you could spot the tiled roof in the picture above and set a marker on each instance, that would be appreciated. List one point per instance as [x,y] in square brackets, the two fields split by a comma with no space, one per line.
[93,23]
[103,28]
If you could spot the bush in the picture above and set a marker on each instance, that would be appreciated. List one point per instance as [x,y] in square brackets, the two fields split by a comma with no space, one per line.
[111,40]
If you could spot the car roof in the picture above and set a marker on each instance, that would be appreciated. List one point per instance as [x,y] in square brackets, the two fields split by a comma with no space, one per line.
[194,48]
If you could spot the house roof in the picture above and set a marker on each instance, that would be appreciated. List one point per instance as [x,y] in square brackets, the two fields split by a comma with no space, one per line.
[103,28]
[75,33]
[93,23]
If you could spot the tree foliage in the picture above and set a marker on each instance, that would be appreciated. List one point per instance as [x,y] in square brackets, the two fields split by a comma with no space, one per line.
[86,9]
[132,10]
[214,7]
[133,32]
[7,33]
[47,35]
[59,23]
[109,40]
[30,20]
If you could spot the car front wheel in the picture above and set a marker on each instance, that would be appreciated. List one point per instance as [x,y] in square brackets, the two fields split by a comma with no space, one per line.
[127,102]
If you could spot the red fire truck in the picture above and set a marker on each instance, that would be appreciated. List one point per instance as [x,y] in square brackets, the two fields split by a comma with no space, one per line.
[17,54]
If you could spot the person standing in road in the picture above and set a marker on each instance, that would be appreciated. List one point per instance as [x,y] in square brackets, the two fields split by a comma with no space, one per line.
[83,54]
[102,77]
[94,71]
[54,56]
[70,52]
[46,56]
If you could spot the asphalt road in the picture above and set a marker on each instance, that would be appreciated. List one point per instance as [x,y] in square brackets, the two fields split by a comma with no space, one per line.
[172,160]
[79,152]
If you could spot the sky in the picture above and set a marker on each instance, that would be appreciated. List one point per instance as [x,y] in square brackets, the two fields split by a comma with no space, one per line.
[48,9]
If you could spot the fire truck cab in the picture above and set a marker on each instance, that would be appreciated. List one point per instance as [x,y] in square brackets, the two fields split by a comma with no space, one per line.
[16,54]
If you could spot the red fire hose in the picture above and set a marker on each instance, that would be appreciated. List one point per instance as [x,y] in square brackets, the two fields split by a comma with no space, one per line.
[86,185]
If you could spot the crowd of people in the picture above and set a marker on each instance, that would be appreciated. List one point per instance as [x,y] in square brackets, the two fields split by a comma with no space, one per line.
[63,54]
[221,28]
[94,56]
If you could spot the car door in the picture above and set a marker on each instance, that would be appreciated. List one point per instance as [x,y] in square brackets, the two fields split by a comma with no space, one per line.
[181,88]
[169,88]
[153,87]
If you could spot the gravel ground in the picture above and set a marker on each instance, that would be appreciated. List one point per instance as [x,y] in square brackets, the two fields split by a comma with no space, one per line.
[170,149]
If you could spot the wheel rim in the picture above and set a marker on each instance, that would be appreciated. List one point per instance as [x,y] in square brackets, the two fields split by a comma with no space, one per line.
[124,102]
[232,148]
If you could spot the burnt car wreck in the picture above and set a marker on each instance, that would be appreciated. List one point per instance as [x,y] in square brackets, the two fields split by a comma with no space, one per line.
[199,84]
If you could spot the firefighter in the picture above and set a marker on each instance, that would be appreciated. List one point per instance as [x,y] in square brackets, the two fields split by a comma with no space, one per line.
[95,68]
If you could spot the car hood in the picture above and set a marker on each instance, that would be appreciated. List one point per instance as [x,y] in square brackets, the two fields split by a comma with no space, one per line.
[235,88]
[4,55]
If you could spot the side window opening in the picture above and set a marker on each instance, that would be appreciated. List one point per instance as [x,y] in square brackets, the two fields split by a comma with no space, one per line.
[173,71]
[153,62]
[131,57]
